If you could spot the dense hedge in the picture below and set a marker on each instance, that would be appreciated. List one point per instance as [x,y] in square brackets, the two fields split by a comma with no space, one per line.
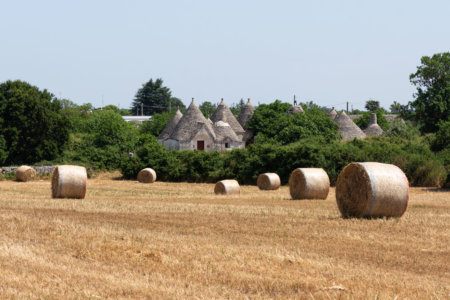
[421,165]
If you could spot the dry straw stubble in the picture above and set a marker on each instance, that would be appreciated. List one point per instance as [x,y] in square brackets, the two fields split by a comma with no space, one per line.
[268,181]
[309,183]
[227,187]
[25,173]
[372,189]
[69,182]
[147,175]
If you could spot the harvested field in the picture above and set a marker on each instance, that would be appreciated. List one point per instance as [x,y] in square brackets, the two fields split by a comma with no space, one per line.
[179,240]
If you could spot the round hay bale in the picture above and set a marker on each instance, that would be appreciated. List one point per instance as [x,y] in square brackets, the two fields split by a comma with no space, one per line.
[69,182]
[309,183]
[25,173]
[146,175]
[227,187]
[268,181]
[372,189]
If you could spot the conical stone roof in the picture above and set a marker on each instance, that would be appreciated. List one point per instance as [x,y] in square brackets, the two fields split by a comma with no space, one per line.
[223,130]
[347,128]
[191,122]
[295,109]
[224,114]
[165,134]
[246,114]
[373,129]
[333,113]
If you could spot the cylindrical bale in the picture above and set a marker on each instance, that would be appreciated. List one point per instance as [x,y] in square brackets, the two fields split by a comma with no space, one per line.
[309,183]
[69,182]
[25,173]
[372,189]
[146,175]
[227,187]
[268,181]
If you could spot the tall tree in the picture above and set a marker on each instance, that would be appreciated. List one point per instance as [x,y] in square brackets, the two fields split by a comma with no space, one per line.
[396,107]
[237,107]
[153,98]
[34,128]
[372,105]
[432,80]
[207,108]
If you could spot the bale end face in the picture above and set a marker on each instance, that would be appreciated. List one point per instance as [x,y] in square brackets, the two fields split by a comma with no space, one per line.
[227,187]
[372,190]
[268,181]
[147,175]
[25,173]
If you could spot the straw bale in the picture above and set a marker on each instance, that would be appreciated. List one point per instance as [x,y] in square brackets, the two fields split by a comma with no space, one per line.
[69,182]
[227,187]
[268,181]
[25,173]
[146,175]
[309,183]
[372,189]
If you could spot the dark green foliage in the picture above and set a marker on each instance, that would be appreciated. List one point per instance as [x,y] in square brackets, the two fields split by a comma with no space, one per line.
[271,122]
[157,124]
[237,107]
[34,128]
[77,115]
[107,142]
[442,137]
[3,152]
[269,119]
[432,80]
[421,166]
[207,108]
[444,156]
[364,120]
[155,98]
[372,105]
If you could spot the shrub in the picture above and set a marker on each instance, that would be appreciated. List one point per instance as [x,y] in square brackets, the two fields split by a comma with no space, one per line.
[420,164]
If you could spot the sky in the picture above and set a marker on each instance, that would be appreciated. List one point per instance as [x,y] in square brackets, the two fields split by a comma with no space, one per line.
[329,52]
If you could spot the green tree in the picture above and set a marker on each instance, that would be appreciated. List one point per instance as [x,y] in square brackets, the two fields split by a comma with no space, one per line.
[372,105]
[442,138]
[207,108]
[396,107]
[157,124]
[271,121]
[432,80]
[76,115]
[108,128]
[153,97]
[237,107]
[35,129]
[3,152]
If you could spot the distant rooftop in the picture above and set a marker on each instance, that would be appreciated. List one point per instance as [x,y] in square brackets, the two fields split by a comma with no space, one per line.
[137,119]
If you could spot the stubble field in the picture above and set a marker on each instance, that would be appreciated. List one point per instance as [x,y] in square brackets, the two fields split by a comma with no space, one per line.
[179,240]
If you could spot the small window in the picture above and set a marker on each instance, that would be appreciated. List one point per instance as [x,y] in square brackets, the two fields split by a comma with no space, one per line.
[227,145]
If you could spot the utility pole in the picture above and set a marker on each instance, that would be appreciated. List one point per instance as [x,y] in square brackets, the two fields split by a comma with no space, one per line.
[347,106]
[142,109]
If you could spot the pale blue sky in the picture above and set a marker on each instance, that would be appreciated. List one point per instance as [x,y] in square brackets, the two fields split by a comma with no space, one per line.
[326,51]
